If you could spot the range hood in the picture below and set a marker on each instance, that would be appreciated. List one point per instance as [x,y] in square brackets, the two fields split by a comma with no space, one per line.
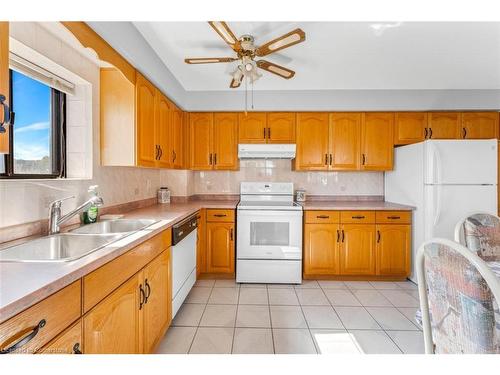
[266,151]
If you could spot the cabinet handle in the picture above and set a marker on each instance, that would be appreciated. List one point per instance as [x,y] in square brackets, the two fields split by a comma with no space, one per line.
[174,156]
[430,133]
[215,159]
[394,217]
[157,152]
[264,133]
[358,217]
[161,152]
[331,159]
[210,162]
[142,297]
[76,348]
[464,132]
[343,235]
[326,159]
[338,235]
[148,291]
[378,236]
[268,133]
[25,339]
[220,215]
[323,217]
[426,132]
[364,159]
[231,234]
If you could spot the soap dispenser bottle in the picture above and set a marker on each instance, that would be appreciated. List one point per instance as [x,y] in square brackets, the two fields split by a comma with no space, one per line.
[90,216]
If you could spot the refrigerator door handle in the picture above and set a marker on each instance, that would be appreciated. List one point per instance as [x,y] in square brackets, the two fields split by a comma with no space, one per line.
[437,207]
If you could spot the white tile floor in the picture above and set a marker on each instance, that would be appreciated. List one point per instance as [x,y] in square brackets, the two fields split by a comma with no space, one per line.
[326,317]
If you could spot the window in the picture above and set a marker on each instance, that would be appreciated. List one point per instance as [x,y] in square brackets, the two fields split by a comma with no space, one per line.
[37,146]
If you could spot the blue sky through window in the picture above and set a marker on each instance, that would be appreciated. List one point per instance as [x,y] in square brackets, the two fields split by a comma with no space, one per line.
[31,103]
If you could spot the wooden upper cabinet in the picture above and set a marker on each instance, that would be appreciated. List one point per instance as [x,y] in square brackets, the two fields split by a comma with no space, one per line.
[479,125]
[4,81]
[281,127]
[393,249]
[252,127]
[321,249]
[177,136]
[225,142]
[113,326]
[357,252]
[201,140]
[145,112]
[377,141]
[345,139]
[444,125]
[220,248]
[163,130]
[157,312]
[409,127]
[312,142]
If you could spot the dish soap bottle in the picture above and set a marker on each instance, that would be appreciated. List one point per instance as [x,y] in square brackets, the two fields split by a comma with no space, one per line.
[90,216]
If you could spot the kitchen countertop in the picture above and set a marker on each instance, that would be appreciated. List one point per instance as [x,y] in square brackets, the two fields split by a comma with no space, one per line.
[356,205]
[24,284]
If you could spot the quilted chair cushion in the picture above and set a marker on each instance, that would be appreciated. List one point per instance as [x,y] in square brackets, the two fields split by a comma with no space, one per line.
[482,236]
[461,304]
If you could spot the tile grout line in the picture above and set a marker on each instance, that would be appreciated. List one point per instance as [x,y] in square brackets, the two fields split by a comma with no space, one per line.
[270,318]
[235,317]
[305,320]
[203,313]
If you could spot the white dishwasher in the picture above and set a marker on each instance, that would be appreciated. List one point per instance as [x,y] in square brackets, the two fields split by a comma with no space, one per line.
[183,261]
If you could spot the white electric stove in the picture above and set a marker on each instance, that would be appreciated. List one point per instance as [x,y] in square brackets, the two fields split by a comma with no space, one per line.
[269,235]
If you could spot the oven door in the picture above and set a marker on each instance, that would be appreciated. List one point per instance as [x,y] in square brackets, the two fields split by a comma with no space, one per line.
[269,234]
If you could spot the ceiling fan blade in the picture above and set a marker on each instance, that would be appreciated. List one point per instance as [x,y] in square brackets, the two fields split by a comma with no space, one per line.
[225,33]
[284,41]
[209,60]
[234,84]
[275,69]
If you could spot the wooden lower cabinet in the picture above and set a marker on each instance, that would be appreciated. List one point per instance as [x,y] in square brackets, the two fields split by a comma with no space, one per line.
[393,249]
[201,253]
[357,249]
[321,249]
[68,342]
[220,247]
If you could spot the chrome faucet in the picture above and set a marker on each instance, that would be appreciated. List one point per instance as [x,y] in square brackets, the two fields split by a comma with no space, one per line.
[55,218]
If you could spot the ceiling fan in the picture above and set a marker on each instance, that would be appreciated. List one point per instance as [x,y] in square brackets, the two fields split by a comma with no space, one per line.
[246,53]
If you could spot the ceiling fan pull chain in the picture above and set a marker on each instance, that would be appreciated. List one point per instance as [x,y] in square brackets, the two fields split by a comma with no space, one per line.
[246,95]
[252,95]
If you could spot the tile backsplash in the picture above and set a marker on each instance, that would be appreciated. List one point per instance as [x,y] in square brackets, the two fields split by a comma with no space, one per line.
[316,183]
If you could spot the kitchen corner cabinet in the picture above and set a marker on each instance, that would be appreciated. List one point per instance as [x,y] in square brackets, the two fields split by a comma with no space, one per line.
[377,146]
[409,127]
[4,81]
[312,142]
[213,141]
[479,125]
[444,125]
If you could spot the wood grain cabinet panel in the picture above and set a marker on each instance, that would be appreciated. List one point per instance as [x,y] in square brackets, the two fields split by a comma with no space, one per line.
[177,151]
[114,325]
[357,217]
[4,80]
[220,215]
[201,252]
[377,141]
[225,142]
[409,127]
[321,249]
[357,250]
[220,247]
[158,306]
[444,125]
[479,125]
[312,142]
[201,140]
[164,124]
[145,112]
[68,342]
[281,127]
[321,217]
[393,249]
[252,127]
[345,141]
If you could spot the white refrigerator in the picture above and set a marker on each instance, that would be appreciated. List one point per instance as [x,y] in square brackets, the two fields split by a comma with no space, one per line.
[445,180]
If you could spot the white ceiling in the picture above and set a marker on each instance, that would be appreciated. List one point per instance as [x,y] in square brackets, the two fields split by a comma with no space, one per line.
[341,55]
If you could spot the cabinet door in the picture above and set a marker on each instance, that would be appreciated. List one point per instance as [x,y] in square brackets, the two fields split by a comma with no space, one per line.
[164,109]
[479,125]
[113,326]
[201,140]
[393,249]
[252,127]
[357,251]
[225,141]
[220,248]
[4,80]
[145,112]
[409,127]
[158,307]
[444,125]
[321,251]
[377,137]
[177,146]
[281,127]
[345,138]
[68,342]
[312,142]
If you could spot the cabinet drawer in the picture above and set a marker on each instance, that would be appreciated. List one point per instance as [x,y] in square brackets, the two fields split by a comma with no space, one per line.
[104,280]
[68,342]
[354,217]
[322,217]
[43,321]
[396,217]
[226,216]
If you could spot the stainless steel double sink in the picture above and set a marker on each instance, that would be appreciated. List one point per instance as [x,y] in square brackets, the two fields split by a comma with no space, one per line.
[75,244]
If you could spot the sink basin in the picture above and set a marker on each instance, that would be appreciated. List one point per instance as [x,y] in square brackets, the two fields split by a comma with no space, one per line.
[57,248]
[114,226]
